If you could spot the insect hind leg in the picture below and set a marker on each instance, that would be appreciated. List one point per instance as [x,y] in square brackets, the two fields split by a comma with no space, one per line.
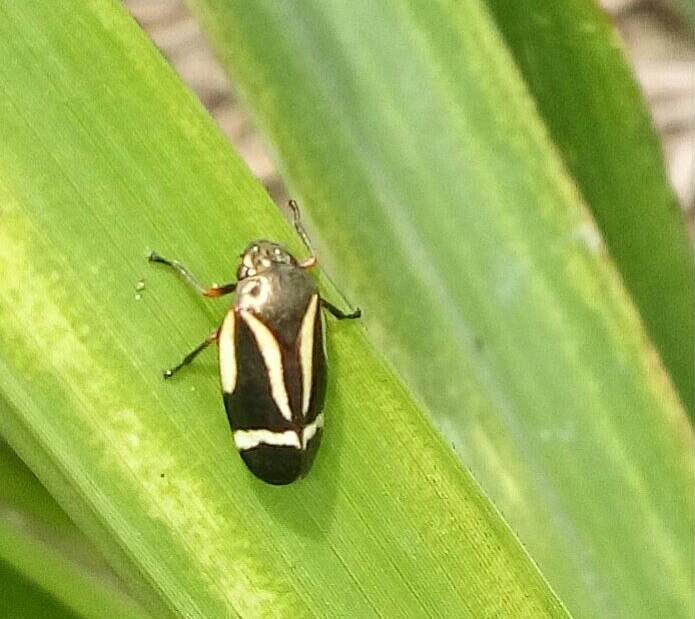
[340,314]
[192,355]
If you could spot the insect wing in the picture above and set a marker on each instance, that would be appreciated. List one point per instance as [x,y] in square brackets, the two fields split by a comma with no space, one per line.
[273,389]
[311,352]
[264,436]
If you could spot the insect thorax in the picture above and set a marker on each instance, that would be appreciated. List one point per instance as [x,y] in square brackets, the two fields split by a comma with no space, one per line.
[278,297]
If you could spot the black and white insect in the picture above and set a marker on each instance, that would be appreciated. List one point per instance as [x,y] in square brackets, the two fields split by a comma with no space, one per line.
[272,356]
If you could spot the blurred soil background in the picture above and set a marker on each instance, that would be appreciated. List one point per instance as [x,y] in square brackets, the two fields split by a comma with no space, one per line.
[659,42]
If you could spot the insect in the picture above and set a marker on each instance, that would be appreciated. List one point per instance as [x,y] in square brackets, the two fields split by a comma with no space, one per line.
[272,356]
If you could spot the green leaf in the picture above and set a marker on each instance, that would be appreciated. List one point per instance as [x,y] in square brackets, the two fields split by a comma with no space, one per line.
[573,64]
[47,567]
[445,212]
[103,156]
[21,599]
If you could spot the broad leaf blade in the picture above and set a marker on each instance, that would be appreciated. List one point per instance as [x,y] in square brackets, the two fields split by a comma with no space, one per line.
[22,598]
[446,213]
[46,563]
[103,156]
[573,64]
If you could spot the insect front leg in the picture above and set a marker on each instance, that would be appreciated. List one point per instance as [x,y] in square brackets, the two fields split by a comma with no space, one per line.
[193,354]
[339,314]
[312,261]
[191,280]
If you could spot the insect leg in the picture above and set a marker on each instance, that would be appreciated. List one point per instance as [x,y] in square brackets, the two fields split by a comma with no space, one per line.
[311,261]
[339,314]
[297,221]
[189,278]
[193,354]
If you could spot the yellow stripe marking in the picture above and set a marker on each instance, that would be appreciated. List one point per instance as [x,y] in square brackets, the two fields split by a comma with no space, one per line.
[270,350]
[248,439]
[306,350]
[227,353]
[311,429]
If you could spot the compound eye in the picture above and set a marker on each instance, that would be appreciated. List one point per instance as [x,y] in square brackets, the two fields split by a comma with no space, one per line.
[281,256]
